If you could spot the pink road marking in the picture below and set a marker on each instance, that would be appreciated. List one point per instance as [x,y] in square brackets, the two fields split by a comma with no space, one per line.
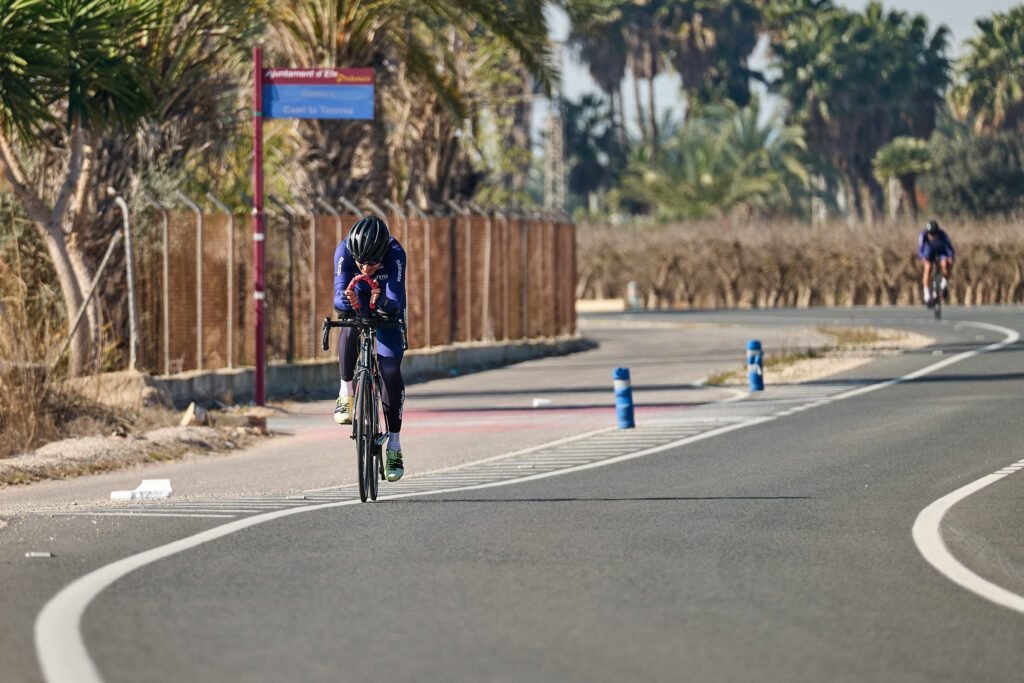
[426,422]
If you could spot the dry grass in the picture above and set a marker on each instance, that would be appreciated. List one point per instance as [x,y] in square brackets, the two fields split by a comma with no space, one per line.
[773,361]
[36,406]
[766,265]
[853,336]
[849,342]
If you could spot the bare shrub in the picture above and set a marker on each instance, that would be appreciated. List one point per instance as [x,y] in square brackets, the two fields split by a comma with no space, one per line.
[774,264]
[35,407]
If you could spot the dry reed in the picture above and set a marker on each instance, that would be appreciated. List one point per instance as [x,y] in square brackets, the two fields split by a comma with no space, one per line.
[767,265]
[35,405]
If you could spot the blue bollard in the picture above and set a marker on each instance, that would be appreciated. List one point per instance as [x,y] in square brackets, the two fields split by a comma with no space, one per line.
[623,398]
[755,365]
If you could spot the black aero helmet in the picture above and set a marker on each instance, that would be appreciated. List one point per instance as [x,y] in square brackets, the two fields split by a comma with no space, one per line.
[368,240]
[932,226]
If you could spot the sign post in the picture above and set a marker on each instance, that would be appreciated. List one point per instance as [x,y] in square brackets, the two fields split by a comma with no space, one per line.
[321,93]
[258,233]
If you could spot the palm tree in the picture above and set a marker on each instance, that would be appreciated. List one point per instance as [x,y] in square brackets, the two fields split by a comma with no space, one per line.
[709,43]
[719,162]
[615,36]
[593,154]
[414,40]
[645,58]
[198,59]
[904,159]
[857,80]
[71,70]
[23,104]
[991,92]
[599,41]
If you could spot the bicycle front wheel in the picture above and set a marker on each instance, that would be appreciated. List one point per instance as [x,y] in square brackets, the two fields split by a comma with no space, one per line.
[364,428]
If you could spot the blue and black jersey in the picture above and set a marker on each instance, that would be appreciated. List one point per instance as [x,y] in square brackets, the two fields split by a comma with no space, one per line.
[940,248]
[391,277]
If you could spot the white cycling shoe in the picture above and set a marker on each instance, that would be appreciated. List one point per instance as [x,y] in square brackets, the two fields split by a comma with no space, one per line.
[343,410]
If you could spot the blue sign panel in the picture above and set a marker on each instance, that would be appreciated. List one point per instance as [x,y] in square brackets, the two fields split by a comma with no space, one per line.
[318,101]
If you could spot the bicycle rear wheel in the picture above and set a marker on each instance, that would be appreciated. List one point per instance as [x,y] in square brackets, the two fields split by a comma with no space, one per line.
[363,417]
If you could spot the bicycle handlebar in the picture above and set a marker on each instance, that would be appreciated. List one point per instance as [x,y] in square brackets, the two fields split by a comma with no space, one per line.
[374,321]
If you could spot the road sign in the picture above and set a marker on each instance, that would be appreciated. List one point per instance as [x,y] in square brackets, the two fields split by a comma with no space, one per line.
[318,93]
[293,94]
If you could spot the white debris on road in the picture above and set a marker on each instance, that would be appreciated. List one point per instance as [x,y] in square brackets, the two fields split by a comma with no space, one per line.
[149,488]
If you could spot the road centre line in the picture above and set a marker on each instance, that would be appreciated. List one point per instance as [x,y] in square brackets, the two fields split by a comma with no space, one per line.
[61,650]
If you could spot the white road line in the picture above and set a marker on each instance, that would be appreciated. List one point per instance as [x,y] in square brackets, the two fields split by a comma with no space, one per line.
[213,509]
[156,509]
[927,531]
[199,506]
[138,514]
[928,537]
[271,500]
[59,645]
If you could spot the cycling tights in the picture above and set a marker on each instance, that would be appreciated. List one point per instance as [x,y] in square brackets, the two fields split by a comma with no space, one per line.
[393,391]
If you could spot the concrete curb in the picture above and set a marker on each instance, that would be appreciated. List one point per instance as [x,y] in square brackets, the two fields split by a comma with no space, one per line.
[319,379]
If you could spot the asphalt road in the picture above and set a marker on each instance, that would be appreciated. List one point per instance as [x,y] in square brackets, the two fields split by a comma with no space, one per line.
[768,539]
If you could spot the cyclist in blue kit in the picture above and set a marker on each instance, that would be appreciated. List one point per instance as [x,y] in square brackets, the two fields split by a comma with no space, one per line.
[933,244]
[369,267]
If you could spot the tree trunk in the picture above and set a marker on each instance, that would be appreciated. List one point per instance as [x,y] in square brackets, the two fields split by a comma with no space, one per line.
[521,125]
[875,197]
[613,114]
[641,119]
[92,326]
[910,192]
[72,273]
[621,120]
[72,294]
[852,189]
[652,115]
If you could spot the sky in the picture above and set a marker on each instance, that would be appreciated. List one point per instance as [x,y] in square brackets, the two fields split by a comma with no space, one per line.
[957,15]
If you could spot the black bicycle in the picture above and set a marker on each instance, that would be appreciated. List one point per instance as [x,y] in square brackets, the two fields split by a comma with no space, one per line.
[366,411]
[936,288]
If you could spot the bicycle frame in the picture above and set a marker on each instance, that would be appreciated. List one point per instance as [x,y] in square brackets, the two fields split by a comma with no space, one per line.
[366,418]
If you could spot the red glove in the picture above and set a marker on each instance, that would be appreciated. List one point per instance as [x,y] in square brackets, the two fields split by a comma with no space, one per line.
[354,299]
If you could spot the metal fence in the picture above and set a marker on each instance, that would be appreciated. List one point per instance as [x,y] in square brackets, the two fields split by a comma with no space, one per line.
[469,278]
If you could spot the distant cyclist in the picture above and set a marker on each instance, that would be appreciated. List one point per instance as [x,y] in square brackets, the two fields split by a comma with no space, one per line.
[371,253]
[934,245]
